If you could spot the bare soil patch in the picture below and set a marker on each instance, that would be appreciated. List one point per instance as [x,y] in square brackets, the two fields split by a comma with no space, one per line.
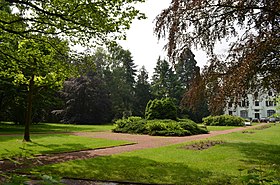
[262,127]
[203,145]
[248,132]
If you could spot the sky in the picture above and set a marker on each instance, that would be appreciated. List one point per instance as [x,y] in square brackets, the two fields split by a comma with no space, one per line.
[143,44]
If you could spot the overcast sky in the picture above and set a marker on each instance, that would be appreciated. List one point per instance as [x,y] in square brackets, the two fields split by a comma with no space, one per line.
[143,44]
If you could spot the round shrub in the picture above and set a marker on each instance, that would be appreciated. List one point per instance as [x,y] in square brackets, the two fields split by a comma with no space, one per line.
[161,109]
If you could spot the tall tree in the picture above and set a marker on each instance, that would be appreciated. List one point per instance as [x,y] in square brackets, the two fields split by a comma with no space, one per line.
[163,80]
[87,100]
[37,66]
[142,92]
[186,68]
[252,60]
[119,74]
[195,99]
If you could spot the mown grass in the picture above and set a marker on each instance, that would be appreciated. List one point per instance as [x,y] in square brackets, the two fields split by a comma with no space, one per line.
[244,158]
[218,128]
[13,146]
[9,128]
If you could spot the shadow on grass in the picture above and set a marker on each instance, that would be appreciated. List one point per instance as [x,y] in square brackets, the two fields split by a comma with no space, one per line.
[258,153]
[134,169]
[8,128]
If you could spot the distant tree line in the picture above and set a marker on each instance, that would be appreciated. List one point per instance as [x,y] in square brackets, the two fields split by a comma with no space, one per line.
[108,87]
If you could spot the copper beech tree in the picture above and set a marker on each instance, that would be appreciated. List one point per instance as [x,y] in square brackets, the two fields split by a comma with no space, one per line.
[252,60]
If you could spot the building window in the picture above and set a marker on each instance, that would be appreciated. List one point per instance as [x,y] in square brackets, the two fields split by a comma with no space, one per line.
[256,95]
[230,104]
[229,112]
[269,103]
[244,103]
[257,103]
[244,114]
[270,112]
[269,93]
[257,115]
[257,110]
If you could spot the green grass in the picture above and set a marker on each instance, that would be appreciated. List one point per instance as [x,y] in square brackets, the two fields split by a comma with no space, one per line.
[13,146]
[8,128]
[231,162]
[218,128]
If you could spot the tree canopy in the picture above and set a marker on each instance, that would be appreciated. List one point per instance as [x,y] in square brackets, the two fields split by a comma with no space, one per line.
[79,21]
[252,60]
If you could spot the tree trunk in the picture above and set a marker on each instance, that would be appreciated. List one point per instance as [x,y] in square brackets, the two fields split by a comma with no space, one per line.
[28,114]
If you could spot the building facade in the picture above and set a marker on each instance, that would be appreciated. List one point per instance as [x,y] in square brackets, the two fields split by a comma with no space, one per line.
[257,105]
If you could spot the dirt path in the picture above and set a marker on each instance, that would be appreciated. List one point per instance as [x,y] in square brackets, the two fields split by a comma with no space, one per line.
[142,142]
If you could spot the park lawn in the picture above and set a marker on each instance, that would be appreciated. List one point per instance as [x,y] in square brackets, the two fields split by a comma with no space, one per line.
[241,159]
[13,146]
[9,128]
[218,128]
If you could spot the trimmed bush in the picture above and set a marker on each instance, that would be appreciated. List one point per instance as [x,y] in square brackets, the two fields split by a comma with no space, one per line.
[165,127]
[223,120]
[161,109]
[132,124]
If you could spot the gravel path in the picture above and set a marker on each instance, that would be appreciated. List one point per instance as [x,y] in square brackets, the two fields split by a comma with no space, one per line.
[142,142]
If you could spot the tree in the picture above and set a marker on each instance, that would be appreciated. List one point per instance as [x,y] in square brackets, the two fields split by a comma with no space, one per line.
[80,21]
[142,92]
[118,71]
[87,100]
[195,99]
[252,60]
[163,80]
[36,66]
[186,68]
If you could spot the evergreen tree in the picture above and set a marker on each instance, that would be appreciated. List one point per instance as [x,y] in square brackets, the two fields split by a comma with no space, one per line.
[119,74]
[163,80]
[87,100]
[142,92]
[186,68]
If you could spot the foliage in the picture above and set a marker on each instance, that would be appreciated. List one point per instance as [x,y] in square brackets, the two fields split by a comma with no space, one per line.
[14,179]
[223,120]
[34,66]
[277,115]
[163,80]
[174,81]
[161,109]
[195,99]
[166,127]
[252,27]
[173,128]
[142,92]
[87,101]
[119,71]
[80,21]
[135,125]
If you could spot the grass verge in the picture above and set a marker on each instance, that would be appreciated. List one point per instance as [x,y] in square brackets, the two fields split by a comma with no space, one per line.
[244,158]
[8,128]
[13,146]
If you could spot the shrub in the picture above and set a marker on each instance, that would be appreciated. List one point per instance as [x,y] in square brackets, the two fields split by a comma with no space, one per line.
[161,109]
[192,127]
[166,127]
[174,128]
[223,120]
[131,124]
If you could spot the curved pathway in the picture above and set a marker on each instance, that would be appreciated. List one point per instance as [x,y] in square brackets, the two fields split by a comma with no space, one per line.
[141,142]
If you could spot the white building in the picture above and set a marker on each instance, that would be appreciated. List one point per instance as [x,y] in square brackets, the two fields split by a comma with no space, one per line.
[257,105]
